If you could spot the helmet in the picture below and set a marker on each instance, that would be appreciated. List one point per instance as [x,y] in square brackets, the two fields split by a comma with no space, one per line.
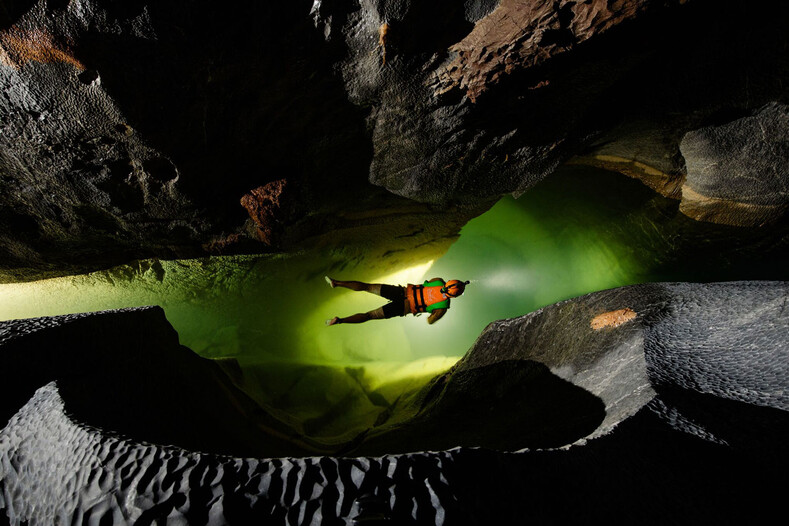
[454,288]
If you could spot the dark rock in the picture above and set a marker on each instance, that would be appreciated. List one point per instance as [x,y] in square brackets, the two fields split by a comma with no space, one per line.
[737,172]
[696,417]
[124,371]
[715,339]
[132,132]
[69,162]
[529,87]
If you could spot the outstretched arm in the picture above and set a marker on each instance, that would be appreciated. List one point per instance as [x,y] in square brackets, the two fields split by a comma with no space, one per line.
[436,315]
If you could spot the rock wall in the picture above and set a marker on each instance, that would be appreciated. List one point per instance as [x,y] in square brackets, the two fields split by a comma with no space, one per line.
[135,131]
[691,379]
[462,110]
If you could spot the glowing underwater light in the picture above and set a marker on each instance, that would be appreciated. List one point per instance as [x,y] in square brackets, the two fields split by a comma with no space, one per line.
[508,279]
[414,274]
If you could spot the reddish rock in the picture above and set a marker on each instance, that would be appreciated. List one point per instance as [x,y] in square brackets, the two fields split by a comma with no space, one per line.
[613,318]
[19,46]
[521,34]
[269,207]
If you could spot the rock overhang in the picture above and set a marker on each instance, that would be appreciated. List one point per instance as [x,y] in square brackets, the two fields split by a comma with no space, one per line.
[138,176]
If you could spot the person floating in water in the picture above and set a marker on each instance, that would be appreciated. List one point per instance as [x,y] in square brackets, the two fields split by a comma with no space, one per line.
[433,297]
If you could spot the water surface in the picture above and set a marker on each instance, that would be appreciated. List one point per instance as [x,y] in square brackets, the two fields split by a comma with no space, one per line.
[580,231]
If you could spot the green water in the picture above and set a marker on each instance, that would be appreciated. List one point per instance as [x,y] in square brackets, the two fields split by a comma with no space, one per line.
[581,231]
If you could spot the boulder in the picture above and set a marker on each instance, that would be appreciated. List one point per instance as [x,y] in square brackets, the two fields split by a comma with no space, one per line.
[737,171]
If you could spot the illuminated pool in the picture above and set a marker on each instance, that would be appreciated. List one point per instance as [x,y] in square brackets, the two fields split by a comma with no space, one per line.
[582,230]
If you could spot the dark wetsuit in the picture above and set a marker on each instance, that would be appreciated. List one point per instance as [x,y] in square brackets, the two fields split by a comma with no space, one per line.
[396,296]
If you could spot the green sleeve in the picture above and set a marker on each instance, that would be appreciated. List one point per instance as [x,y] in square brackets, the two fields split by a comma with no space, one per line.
[440,305]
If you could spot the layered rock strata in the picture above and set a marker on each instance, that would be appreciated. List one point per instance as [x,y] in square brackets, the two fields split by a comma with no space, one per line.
[693,386]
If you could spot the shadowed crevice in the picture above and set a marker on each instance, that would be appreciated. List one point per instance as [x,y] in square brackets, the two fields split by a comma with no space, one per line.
[507,406]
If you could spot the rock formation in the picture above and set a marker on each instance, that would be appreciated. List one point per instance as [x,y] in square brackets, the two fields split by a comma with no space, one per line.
[125,371]
[135,131]
[686,397]
[737,172]
[372,130]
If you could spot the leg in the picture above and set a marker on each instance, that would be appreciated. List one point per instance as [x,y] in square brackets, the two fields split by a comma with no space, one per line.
[358,286]
[377,314]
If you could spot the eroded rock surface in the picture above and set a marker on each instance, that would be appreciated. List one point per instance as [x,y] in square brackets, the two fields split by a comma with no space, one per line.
[85,474]
[738,172]
[459,111]
[131,132]
[715,339]
[125,371]
[135,131]
[521,35]
[693,389]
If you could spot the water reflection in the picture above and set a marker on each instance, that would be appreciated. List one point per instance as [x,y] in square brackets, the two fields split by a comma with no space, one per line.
[580,231]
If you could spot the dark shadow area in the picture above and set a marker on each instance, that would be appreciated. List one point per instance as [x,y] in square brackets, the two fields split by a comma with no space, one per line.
[741,425]
[505,406]
[125,373]
[644,472]
[12,10]
[237,98]
[417,32]
[726,56]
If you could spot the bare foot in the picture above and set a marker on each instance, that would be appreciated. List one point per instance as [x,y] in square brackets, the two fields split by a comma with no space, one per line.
[333,321]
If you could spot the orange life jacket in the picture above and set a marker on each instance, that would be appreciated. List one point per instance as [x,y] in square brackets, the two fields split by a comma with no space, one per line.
[427,297]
